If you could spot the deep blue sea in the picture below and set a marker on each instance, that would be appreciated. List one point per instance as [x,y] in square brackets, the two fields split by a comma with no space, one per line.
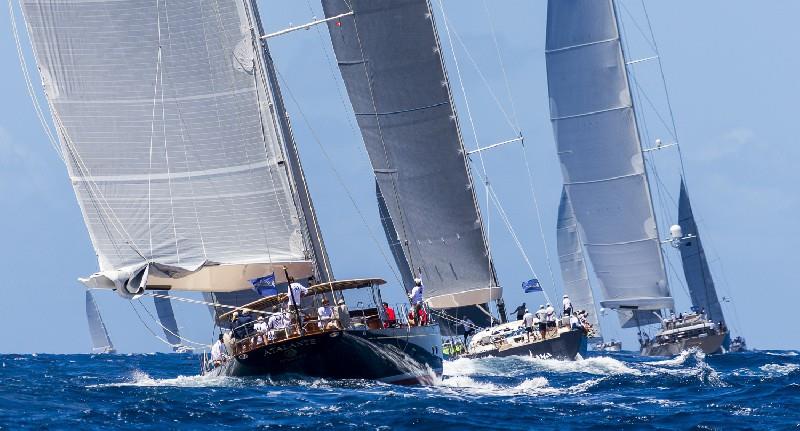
[753,390]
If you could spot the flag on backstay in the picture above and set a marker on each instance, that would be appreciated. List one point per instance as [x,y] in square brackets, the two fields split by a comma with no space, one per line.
[265,286]
[531,285]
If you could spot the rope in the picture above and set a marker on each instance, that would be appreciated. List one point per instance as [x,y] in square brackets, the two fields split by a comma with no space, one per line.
[158,321]
[29,85]
[212,304]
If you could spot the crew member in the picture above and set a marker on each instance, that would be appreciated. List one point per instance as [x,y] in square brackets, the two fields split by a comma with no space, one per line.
[521,310]
[391,317]
[342,314]
[567,305]
[551,316]
[527,320]
[541,314]
[469,328]
[416,297]
[295,292]
[574,322]
[324,314]
[218,351]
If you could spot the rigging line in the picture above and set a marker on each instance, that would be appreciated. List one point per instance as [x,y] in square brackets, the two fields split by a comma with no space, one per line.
[141,320]
[339,178]
[153,132]
[482,76]
[206,303]
[538,216]
[502,66]
[158,321]
[29,84]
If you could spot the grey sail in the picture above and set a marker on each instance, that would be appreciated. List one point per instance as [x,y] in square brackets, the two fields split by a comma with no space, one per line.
[389,57]
[101,343]
[573,265]
[175,143]
[602,164]
[394,243]
[695,265]
[166,317]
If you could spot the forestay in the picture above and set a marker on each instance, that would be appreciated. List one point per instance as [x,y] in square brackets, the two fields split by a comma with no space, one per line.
[166,317]
[172,141]
[389,57]
[695,265]
[101,342]
[573,265]
[602,163]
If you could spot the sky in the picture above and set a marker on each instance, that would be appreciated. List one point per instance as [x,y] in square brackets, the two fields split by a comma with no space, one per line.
[730,69]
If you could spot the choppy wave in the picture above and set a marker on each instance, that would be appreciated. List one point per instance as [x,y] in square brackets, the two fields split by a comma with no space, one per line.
[607,391]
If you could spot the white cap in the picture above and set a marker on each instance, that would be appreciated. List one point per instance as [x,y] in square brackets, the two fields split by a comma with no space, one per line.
[541,306]
[417,281]
[566,296]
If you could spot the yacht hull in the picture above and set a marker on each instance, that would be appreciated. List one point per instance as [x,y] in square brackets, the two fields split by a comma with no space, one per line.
[393,355]
[566,346]
[708,344]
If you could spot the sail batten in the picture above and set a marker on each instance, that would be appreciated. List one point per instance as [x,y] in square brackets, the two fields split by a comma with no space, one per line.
[602,164]
[175,145]
[389,57]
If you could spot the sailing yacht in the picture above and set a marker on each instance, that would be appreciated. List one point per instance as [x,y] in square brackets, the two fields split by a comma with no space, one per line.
[101,342]
[166,319]
[605,179]
[391,62]
[181,155]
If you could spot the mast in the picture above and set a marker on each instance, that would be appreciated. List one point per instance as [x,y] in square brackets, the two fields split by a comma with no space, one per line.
[312,235]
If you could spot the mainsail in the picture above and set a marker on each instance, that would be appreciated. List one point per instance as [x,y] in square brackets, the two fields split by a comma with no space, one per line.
[573,266]
[101,343]
[695,264]
[598,144]
[176,143]
[389,56]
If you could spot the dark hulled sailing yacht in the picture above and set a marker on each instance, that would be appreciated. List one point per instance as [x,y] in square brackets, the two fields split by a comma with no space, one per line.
[180,152]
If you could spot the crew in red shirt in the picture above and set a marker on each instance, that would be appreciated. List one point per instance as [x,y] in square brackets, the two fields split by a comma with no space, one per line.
[391,318]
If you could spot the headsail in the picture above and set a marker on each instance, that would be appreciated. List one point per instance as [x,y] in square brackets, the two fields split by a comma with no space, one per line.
[598,143]
[178,161]
[166,316]
[573,265]
[695,265]
[394,243]
[101,343]
[389,57]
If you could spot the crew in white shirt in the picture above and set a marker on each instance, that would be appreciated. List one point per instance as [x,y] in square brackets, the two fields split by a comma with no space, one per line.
[541,314]
[218,351]
[527,320]
[567,305]
[551,315]
[324,314]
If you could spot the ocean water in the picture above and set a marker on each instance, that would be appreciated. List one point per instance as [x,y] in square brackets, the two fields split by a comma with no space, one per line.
[753,390]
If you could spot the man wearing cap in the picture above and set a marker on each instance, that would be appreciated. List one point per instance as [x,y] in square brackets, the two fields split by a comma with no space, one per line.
[541,314]
[527,321]
[417,298]
[342,314]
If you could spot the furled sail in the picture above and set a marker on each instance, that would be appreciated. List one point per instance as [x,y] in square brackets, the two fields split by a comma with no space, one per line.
[101,343]
[573,265]
[695,264]
[166,317]
[394,243]
[389,57]
[167,120]
[598,144]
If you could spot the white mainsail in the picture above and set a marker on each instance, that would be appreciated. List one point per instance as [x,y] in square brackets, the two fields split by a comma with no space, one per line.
[602,164]
[101,342]
[176,143]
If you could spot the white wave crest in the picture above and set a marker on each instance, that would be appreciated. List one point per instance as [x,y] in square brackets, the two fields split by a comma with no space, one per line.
[142,379]
[778,370]
[598,365]
[463,385]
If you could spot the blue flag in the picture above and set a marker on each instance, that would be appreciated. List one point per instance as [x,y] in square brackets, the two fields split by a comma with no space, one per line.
[265,286]
[531,285]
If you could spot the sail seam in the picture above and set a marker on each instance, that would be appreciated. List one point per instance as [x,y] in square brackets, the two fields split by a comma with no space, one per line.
[585,114]
[603,180]
[622,242]
[580,45]
[402,111]
[168,176]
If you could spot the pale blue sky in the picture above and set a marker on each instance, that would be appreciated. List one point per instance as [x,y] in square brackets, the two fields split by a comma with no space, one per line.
[731,68]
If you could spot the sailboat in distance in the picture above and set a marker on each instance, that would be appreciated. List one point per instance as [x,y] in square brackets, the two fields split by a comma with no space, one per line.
[181,155]
[101,342]
[390,59]
[599,146]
